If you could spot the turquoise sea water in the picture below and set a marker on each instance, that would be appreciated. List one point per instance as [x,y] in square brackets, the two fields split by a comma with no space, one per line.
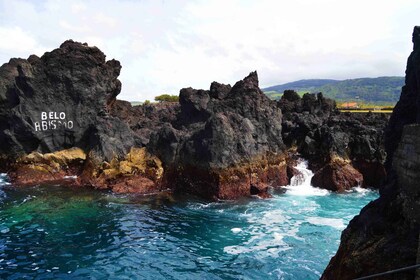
[66,233]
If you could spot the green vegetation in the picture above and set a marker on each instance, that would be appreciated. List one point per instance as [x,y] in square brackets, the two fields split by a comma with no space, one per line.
[382,90]
[167,98]
[385,108]
[367,111]
[371,106]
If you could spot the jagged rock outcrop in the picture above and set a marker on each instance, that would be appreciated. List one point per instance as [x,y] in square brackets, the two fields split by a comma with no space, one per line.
[147,118]
[339,146]
[58,102]
[385,236]
[60,120]
[225,143]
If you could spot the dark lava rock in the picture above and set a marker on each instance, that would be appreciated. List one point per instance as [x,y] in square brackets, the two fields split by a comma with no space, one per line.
[55,123]
[225,142]
[321,133]
[385,236]
[147,118]
[60,101]
[406,110]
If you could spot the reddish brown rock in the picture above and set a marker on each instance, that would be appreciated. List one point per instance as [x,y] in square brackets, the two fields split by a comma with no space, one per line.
[138,172]
[135,184]
[337,176]
[50,168]
[373,172]
[231,182]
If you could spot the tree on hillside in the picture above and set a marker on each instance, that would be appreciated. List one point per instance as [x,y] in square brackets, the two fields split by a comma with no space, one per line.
[167,98]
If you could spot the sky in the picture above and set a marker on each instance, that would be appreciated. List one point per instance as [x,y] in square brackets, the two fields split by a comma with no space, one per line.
[164,45]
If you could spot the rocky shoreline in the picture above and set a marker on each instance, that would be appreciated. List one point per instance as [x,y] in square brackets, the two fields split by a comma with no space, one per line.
[385,236]
[61,121]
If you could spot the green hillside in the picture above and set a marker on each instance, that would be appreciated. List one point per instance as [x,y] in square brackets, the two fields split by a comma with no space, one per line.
[382,90]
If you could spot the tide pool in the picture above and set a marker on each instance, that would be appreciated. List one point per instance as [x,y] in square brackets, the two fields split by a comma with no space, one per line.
[69,233]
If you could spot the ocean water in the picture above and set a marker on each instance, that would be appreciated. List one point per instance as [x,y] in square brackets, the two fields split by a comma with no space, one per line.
[67,233]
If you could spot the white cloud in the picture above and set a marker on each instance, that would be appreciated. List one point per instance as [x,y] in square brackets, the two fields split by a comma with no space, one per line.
[78,7]
[110,22]
[18,42]
[73,28]
[166,45]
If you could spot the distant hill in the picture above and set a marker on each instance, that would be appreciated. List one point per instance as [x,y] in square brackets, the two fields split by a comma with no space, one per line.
[382,90]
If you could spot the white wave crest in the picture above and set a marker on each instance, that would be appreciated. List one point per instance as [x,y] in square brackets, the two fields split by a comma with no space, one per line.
[332,222]
[300,184]
[4,179]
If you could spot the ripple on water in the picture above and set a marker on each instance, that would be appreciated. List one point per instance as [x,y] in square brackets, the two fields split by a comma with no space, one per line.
[64,233]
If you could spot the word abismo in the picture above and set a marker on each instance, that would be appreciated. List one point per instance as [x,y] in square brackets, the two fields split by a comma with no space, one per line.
[52,121]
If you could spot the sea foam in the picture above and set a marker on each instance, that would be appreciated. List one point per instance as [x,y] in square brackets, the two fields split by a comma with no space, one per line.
[300,184]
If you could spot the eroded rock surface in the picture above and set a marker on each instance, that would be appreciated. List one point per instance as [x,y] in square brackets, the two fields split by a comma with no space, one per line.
[338,176]
[322,134]
[60,101]
[147,118]
[57,106]
[219,143]
[225,143]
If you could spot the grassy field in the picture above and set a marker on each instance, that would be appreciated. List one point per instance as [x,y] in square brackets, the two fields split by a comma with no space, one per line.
[384,108]
[367,111]
[374,90]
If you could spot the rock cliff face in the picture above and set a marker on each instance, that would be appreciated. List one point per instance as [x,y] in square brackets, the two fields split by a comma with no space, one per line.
[344,150]
[225,142]
[385,235]
[54,122]
[60,120]
[60,101]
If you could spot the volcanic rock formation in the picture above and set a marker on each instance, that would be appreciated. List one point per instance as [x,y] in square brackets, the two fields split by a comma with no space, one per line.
[385,236]
[344,150]
[59,102]
[225,142]
[59,118]
[147,118]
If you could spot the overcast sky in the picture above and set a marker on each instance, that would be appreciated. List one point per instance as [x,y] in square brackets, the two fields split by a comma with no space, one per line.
[164,46]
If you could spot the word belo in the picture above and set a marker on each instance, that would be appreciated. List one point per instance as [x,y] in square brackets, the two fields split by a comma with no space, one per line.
[52,121]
